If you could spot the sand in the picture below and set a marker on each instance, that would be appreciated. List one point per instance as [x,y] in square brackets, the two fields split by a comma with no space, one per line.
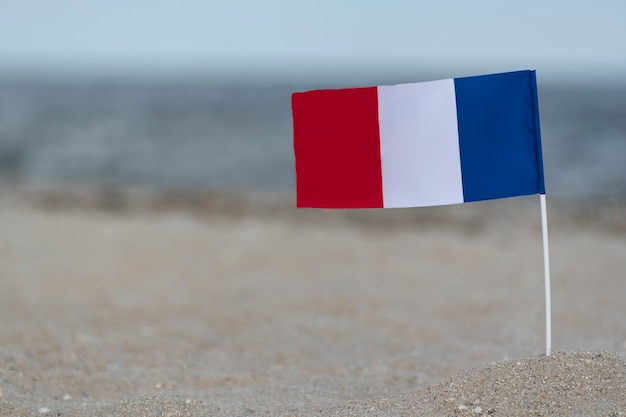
[137,304]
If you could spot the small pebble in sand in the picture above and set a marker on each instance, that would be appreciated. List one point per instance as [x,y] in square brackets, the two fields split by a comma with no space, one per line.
[67,397]
[477,410]
[44,410]
[462,407]
[187,401]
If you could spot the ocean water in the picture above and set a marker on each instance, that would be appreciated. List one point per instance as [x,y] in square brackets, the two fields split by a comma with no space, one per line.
[210,134]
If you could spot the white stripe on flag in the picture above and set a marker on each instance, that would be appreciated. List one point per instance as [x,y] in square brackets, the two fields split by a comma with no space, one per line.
[419,144]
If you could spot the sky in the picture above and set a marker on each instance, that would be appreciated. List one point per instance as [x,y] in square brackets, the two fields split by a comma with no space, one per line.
[572,39]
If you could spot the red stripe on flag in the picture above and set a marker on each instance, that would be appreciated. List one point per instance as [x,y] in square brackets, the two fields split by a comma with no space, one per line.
[337,147]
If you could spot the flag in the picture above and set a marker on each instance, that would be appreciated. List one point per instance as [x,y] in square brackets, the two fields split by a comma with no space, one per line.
[419,144]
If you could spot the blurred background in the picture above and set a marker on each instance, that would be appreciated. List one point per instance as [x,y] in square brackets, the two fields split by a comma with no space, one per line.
[195,95]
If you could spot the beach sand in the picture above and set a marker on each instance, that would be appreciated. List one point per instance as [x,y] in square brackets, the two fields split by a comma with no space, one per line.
[131,304]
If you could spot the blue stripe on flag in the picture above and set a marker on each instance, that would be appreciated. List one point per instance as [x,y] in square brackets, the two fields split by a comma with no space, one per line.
[499,140]
[535,105]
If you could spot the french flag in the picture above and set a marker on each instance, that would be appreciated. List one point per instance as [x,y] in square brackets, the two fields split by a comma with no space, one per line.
[421,144]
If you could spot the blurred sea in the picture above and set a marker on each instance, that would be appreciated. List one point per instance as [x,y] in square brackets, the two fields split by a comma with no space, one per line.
[212,135]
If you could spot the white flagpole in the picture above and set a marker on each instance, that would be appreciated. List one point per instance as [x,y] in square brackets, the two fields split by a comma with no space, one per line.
[546,267]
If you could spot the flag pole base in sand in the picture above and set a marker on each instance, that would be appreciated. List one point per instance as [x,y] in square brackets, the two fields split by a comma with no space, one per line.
[546,268]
